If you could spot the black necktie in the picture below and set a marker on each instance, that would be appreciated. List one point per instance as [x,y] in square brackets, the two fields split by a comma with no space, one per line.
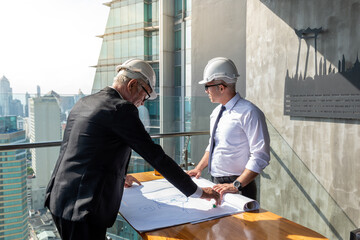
[212,142]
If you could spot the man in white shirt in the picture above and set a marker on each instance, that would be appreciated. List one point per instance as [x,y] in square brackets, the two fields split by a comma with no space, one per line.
[239,145]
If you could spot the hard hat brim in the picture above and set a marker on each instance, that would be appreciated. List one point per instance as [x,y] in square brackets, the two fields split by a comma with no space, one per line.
[204,81]
[225,79]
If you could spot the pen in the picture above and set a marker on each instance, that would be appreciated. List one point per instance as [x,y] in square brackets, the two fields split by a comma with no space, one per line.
[213,204]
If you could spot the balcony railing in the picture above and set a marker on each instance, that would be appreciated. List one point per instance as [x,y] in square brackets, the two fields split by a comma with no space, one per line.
[120,230]
[187,136]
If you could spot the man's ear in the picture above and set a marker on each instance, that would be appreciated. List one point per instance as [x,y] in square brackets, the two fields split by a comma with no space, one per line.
[131,84]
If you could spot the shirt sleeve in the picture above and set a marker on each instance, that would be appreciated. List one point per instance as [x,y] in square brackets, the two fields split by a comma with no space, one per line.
[207,149]
[197,193]
[259,141]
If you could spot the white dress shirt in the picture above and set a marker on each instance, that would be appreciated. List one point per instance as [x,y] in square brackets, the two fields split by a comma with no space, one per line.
[241,139]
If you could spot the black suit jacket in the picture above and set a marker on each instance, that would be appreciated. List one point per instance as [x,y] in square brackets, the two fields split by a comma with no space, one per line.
[88,178]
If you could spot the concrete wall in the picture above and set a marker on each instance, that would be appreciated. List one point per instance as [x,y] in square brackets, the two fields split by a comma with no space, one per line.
[218,30]
[313,178]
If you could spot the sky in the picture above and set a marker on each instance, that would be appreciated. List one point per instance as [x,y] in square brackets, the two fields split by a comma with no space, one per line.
[51,43]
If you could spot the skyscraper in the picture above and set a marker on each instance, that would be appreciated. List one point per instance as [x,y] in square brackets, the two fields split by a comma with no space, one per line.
[44,126]
[148,30]
[5,96]
[8,105]
[13,201]
[132,31]
[26,110]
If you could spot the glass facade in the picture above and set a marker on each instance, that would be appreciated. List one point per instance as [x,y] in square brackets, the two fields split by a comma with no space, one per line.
[182,74]
[132,31]
[8,124]
[13,195]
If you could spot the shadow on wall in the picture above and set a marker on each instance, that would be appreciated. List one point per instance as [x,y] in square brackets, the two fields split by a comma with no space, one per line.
[331,28]
[339,20]
[327,94]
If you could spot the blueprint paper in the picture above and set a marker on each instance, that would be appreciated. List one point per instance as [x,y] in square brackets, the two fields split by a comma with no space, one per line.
[158,204]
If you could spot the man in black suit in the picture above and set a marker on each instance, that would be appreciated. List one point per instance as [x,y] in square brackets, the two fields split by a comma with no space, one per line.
[85,190]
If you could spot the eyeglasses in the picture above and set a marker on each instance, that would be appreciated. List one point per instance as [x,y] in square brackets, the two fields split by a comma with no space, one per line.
[207,86]
[148,95]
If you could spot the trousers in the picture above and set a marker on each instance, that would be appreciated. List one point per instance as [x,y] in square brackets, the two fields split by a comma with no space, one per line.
[79,230]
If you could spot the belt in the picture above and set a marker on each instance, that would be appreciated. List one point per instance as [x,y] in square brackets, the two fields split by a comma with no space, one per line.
[226,179]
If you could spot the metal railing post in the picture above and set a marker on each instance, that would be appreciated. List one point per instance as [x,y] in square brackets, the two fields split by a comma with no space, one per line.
[186,163]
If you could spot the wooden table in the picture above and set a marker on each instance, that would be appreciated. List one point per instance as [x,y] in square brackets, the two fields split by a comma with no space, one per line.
[255,225]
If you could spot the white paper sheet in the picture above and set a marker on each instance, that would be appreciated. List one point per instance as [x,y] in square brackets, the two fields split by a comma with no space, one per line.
[157,204]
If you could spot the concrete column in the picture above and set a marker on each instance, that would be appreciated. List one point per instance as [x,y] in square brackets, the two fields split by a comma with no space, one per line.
[166,72]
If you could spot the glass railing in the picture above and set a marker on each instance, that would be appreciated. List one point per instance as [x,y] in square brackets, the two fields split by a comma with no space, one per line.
[291,190]
[31,129]
[38,218]
[288,187]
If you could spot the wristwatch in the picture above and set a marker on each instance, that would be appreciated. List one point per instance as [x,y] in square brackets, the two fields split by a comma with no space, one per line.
[237,184]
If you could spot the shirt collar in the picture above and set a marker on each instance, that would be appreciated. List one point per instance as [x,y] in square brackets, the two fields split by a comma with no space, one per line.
[116,91]
[230,104]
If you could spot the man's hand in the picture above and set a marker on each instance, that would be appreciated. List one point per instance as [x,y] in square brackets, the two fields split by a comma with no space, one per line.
[129,180]
[194,172]
[209,193]
[225,188]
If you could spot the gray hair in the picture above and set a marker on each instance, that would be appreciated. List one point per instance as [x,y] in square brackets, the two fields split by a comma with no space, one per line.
[121,79]
[232,86]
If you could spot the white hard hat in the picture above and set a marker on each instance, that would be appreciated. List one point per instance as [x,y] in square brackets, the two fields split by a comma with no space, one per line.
[220,68]
[139,69]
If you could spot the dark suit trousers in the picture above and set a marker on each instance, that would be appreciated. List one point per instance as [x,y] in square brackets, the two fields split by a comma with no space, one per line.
[84,230]
[249,190]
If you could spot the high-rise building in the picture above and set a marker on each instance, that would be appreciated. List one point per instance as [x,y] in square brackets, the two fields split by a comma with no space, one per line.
[155,31]
[16,108]
[13,200]
[26,110]
[44,126]
[38,91]
[5,96]
[132,31]
[8,105]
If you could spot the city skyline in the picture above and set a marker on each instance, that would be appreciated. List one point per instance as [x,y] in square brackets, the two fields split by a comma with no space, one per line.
[17,104]
[57,52]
